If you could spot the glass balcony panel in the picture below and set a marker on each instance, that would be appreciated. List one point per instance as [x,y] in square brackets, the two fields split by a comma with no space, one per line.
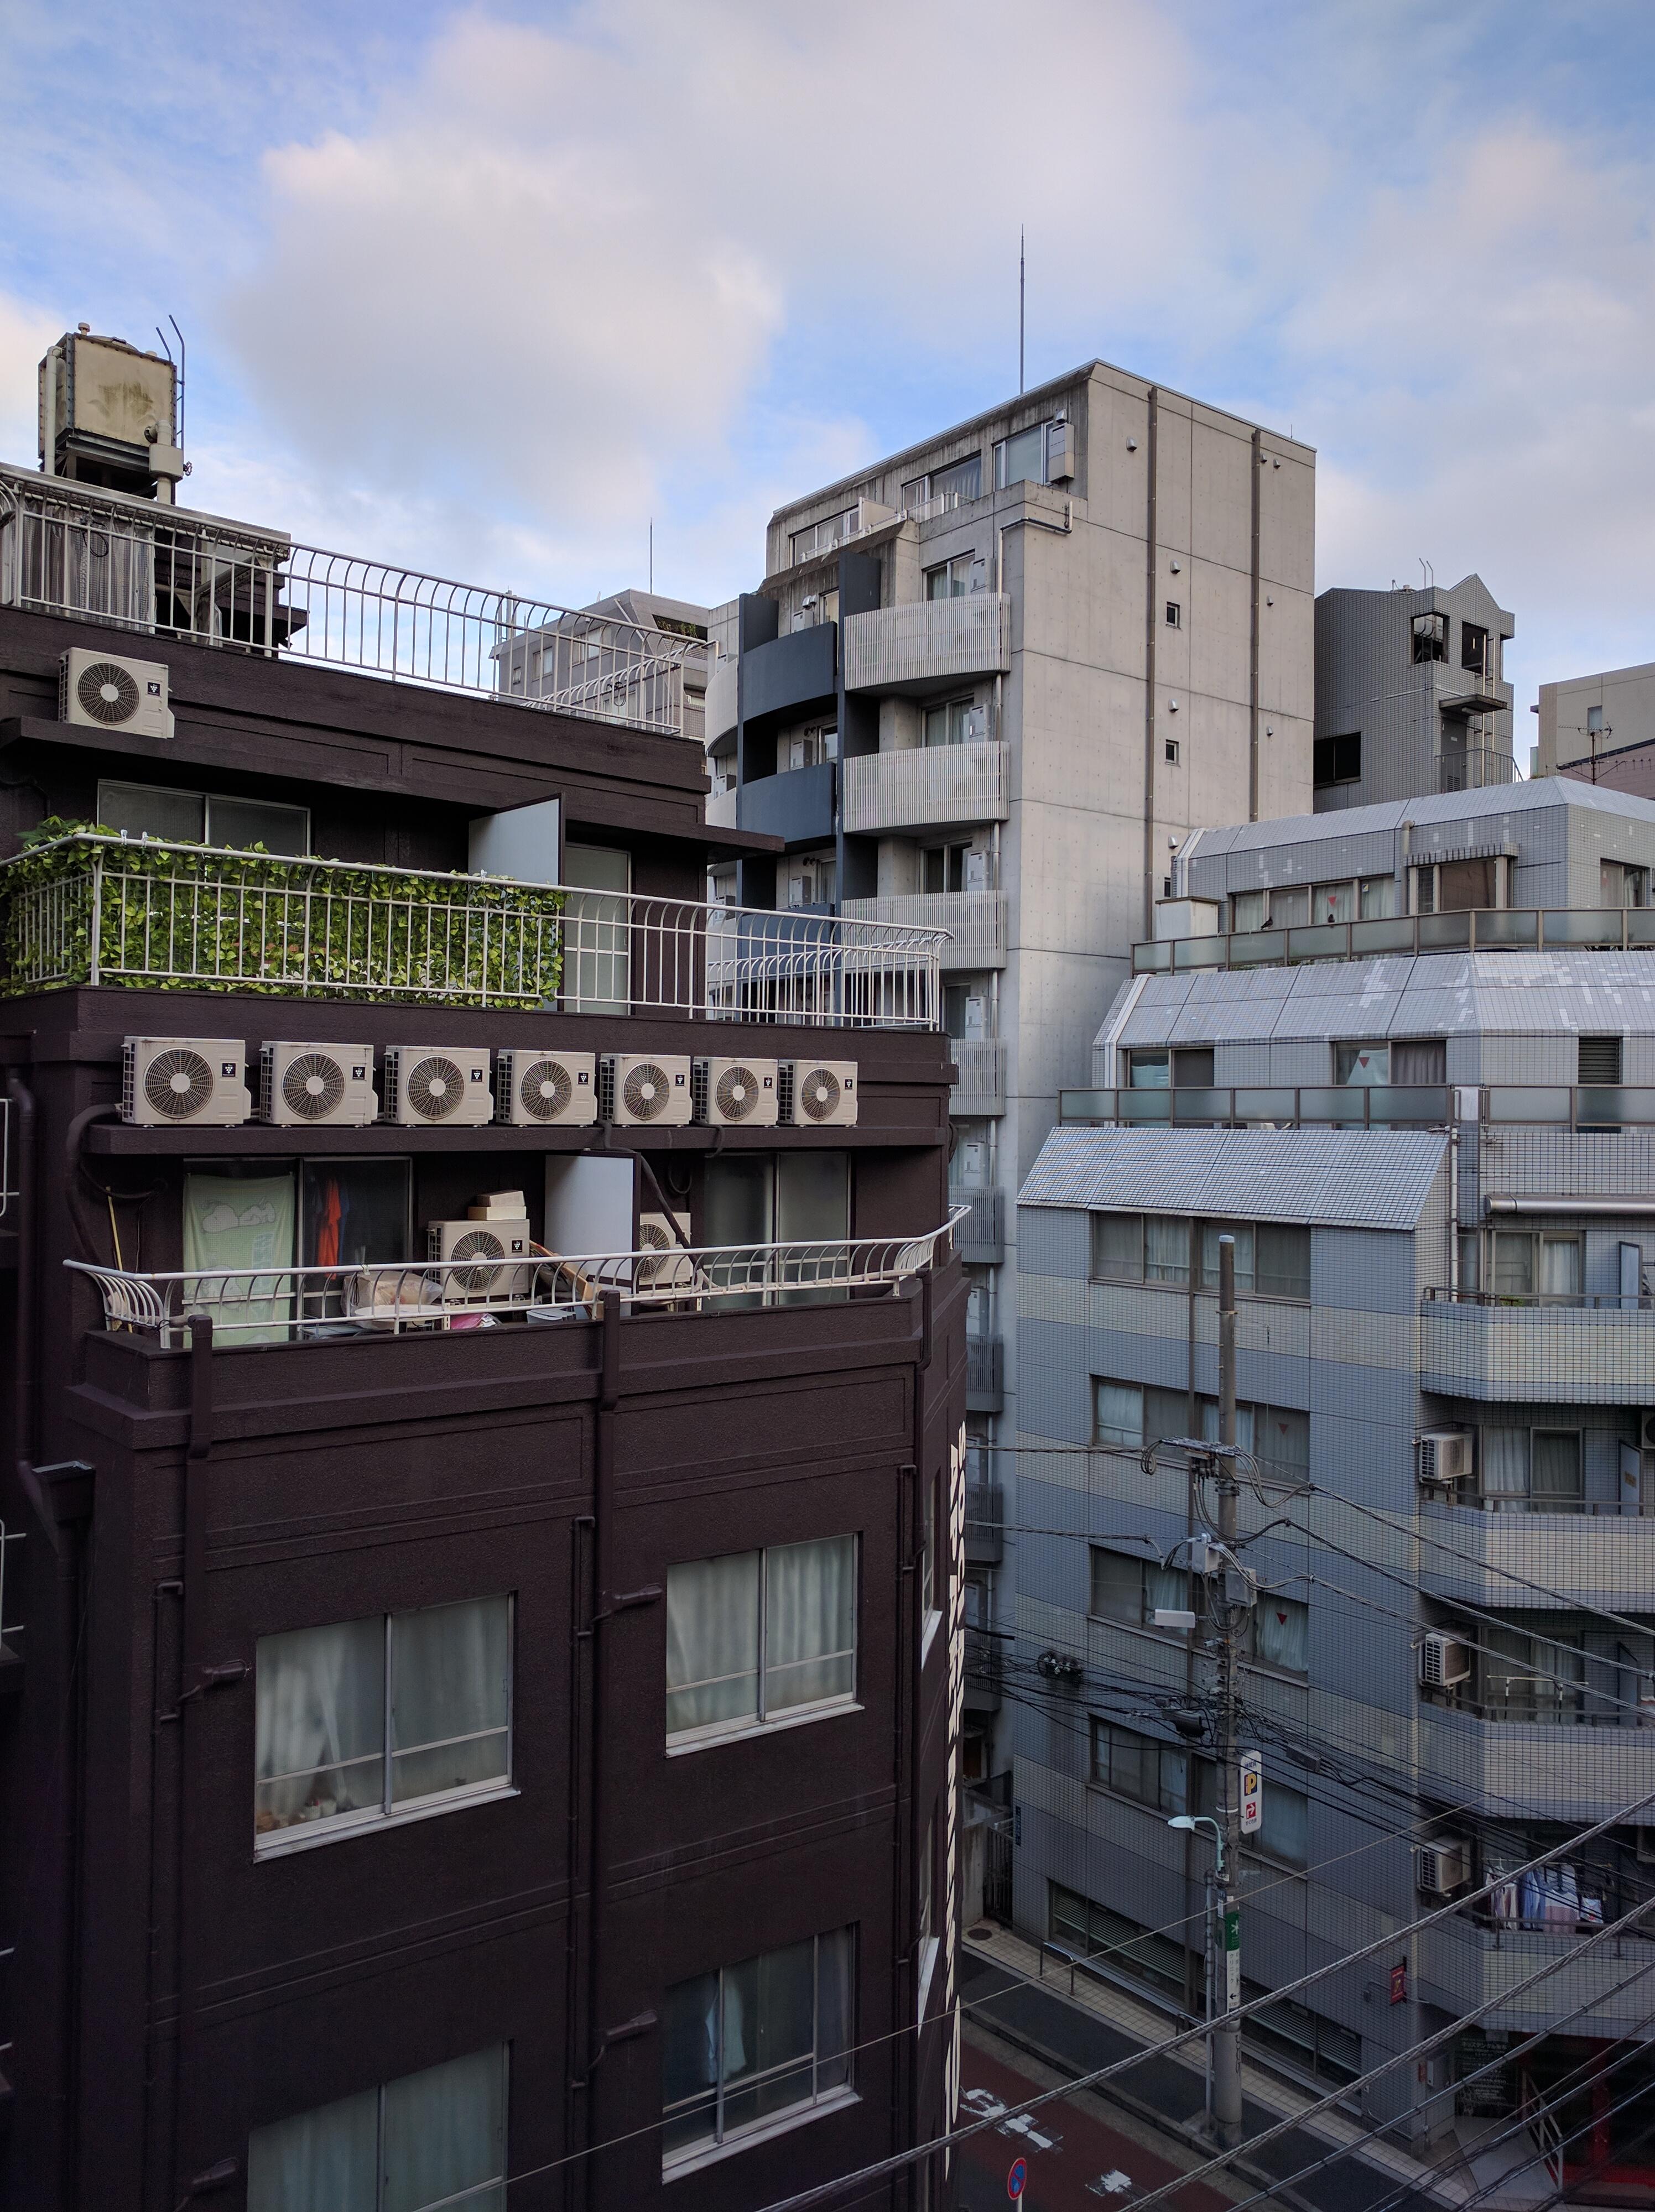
[1327,940]
[1200,1105]
[1085,1105]
[1154,959]
[1199,951]
[1444,932]
[1394,933]
[1274,1103]
[1144,1105]
[1521,926]
[1640,925]
[1259,948]
[1399,1105]
[1527,1102]
[1339,1103]
[1590,925]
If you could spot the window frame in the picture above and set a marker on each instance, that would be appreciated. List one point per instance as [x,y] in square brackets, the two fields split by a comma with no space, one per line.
[1336,760]
[228,798]
[311,1835]
[472,2190]
[725,2144]
[680,1742]
[1198,1227]
[1003,446]
[1175,614]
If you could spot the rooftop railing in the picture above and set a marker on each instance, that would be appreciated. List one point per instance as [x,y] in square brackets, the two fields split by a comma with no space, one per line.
[1600,1108]
[298,1305]
[101,910]
[170,574]
[1518,929]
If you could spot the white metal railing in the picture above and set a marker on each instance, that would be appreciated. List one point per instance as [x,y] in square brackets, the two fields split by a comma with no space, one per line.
[922,786]
[169,573]
[99,909]
[294,1305]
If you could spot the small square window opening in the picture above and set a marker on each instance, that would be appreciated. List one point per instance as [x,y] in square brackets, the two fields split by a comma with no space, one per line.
[1171,749]
[1174,615]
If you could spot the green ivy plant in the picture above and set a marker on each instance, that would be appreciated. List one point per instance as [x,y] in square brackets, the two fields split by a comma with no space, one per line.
[182,917]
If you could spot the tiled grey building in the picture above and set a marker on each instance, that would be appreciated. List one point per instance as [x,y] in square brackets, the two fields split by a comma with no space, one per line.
[1432,1134]
[987,684]
[1410,693]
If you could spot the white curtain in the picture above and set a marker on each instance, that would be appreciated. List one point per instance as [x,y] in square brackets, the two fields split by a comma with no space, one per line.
[445,2133]
[712,1642]
[1560,1267]
[1554,1476]
[1164,1586]
[450,1688]
[1120,1413]
[321,1725]
[810,1623]
[1505,1463]
[325,2159]
[1282,1633]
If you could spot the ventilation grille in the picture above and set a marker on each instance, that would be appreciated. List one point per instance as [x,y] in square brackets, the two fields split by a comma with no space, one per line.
[312,1086]
[178,1084]
[107,693]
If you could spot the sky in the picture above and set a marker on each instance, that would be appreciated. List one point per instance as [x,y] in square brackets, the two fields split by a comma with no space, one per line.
[489,290]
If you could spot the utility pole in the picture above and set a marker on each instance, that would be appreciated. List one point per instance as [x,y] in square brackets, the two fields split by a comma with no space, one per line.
[1227,2039]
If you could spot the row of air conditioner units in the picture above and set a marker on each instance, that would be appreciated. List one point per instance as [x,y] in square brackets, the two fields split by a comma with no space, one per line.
[202,1080]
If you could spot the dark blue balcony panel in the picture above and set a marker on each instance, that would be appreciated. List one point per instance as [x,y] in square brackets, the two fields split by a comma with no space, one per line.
[791,676]
[797,804]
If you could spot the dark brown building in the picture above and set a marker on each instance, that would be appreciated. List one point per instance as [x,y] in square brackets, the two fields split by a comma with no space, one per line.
[460,1724]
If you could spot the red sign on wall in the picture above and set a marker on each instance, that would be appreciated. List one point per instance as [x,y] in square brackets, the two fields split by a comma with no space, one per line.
[1399,1983]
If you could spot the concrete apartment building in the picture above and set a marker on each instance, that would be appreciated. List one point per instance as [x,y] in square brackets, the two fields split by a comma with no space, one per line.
[1411,694]
[480,1523]
[1411,1070]
[1601,728]
[987,684]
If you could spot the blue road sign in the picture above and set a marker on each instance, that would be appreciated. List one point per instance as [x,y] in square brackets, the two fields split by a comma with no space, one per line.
[1017,2179]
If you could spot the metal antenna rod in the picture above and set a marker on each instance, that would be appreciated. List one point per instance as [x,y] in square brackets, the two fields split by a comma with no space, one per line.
[1020,290]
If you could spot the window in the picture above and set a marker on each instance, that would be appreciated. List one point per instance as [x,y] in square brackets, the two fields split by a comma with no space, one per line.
[1279,1633]
[749,2046]
[1174,615]
[1247,911]
[1599,1061]
[353,1211]
[956,722]
[1533,1470]
[1333,903]
[1126,1413]
[1528,1681]
[1594,722]
[1622,884]
[1534,1263]
[929,1520]
[1172,749]
[822,537]
[194,818]
[1149,1071]
[1336,760]
[366,1720]
[1273,1259]
[945,870]
[1126,1587]
[433,2138]
[1474,647]
[1290,906]
[1166,1249]
[959,481]
[965,1010]
[1378,897]
[1140,1767]
[1430,637]
[1022,457]
[807,749]
[1465,886]
[755,1638]
[955,577]
[1368,1063]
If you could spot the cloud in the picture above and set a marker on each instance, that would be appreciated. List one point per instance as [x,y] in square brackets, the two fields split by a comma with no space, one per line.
[26,331]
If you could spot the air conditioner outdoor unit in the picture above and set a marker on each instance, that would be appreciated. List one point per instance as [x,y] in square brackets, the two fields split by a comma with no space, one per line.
[1649,1431]
[546,1089]
[428,1085]
[1446,1456]
[107,691]
[819,1093]
[314,1084]
[1441,1868]
[667,1235]
[642,1090]
[176,1079]
[737,1093]
[1443,1660]
[1060,452]
[482,1245]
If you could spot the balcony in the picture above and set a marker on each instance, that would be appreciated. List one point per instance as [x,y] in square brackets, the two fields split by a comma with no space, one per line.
[169,573]
[300,1305]
[1472,767]
[976,921]
[926,786]
[1513,929]
[1589,1112]
[985,1385]
[980,1236]
[796,805]
[789,676]
[1533,1771]
[1580,1351]
[1572,1557]
[721,705]
[928,644]
[981,1085]
[1476,1965]
[985,1518]
[721,808]
[92,908]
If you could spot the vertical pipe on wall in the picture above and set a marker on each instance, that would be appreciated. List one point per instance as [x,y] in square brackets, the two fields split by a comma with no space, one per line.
[1151,555]
[603,1484]
[192,1501]
[1252,651]
[581,1608]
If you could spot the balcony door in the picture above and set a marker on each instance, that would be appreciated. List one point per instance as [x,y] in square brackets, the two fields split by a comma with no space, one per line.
[598,919]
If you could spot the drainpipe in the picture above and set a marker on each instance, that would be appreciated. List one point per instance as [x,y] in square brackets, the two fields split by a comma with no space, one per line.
[1252,657]
[193,1676]
[1453,1199]
[1151,553]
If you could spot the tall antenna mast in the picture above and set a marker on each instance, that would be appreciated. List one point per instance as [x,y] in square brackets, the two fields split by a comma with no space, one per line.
[1020,273]
[652,556]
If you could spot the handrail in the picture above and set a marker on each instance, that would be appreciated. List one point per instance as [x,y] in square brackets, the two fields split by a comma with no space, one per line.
[288,1305]
[171,573]
[1480,929]
[1565,1301]
[94,908]
[1593,1109]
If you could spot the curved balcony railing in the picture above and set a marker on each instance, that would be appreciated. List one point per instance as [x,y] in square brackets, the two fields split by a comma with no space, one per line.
[103,910]
[1519,929]
[297,1305]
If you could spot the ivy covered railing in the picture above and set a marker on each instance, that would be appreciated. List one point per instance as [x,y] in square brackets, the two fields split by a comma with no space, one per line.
[92,907]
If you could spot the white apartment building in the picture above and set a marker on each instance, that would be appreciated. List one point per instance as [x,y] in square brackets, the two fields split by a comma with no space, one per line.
[989,685]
